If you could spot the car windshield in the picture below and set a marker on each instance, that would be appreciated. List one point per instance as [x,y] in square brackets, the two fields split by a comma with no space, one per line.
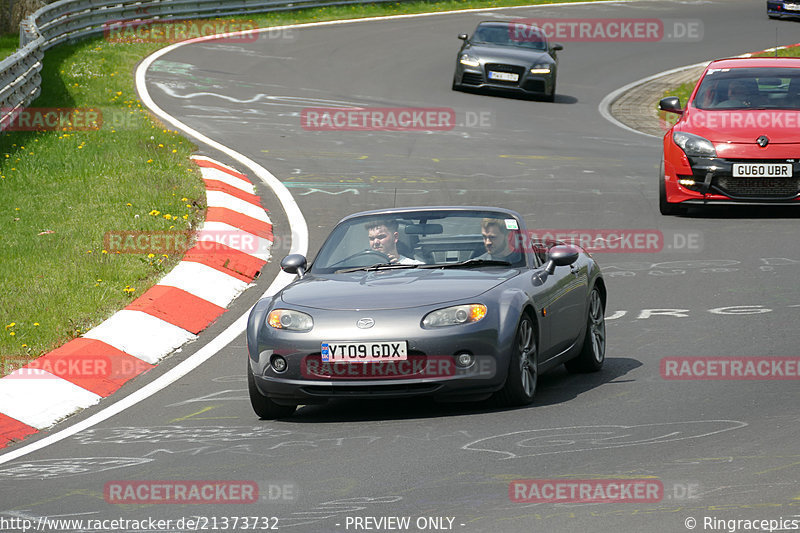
[749,88]
[422,239]
[515,34]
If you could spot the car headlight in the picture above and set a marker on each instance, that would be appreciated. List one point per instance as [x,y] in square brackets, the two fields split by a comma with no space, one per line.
[541,68]
[453,316]
[469,61]
[694,145]
[290,320]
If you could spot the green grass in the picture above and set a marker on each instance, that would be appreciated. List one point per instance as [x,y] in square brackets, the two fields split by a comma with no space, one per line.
[8,44]
[61,192]
[684,90]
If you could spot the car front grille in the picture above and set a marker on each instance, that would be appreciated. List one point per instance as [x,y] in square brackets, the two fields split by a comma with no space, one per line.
[536,86]
[759,187]
[471,78]
[498,67]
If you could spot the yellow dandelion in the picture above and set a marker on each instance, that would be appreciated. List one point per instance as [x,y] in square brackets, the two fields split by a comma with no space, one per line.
[150,256]
[36,324]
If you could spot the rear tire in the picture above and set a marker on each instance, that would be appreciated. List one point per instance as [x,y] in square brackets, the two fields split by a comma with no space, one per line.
[263,406]
[593,351]
[523,370]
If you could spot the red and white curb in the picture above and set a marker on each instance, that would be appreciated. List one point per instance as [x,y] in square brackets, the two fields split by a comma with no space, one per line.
[233,245]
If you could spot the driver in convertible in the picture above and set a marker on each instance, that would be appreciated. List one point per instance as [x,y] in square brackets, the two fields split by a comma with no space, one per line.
[383,236]
[497,242]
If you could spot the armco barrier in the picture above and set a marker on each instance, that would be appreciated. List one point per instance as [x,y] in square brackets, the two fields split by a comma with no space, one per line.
[69,20]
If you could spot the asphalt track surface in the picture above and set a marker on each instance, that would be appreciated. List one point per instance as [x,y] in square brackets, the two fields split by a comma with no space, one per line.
[722,449]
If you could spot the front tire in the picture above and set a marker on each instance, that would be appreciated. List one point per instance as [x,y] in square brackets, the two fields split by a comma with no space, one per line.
[552,96]
[593,351]
[523,370]
[263,406]
[664,206]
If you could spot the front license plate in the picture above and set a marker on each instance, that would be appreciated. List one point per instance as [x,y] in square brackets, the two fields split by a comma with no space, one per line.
[364,352]
[762,170]
[791,7]
[503,76]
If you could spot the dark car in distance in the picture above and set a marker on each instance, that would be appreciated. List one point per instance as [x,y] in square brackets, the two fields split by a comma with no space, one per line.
[783,9]
[466,309]
[507,56]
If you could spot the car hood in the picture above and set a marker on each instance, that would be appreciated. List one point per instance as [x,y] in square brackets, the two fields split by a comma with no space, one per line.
[392,289]
[508,54]
[742,126]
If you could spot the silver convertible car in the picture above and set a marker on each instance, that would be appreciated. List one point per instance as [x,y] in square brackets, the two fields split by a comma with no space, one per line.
[507,56]
[450,302]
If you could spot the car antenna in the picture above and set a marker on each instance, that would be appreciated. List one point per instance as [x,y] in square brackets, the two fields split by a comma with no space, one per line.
[395,197]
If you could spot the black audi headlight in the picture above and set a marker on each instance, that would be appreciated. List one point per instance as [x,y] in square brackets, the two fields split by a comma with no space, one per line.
[469,60]
[541,68]
[694,145]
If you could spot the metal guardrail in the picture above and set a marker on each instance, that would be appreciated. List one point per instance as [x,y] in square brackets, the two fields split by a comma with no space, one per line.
[69,20]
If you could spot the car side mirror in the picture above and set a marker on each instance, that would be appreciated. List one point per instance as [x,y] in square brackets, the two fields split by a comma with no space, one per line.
[556,47]
[294,264]
[671,104]
[561,255]
[463,36]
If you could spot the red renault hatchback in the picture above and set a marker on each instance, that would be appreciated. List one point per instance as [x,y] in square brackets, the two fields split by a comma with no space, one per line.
[737,140]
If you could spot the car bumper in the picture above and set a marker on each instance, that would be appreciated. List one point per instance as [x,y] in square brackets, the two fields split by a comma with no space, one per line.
[711,180]
[430,369]
[478,78]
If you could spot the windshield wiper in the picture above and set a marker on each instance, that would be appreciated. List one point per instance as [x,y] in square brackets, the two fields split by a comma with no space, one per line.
[469,263]
[378,266]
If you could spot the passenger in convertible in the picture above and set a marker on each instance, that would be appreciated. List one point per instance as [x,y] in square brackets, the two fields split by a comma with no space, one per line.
[497,241]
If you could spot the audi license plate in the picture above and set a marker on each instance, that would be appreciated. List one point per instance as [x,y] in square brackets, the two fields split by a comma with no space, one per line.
[503,76]
[364,352]
[762,170]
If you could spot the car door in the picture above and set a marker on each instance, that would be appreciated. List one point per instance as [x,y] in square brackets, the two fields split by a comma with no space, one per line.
[561,298]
